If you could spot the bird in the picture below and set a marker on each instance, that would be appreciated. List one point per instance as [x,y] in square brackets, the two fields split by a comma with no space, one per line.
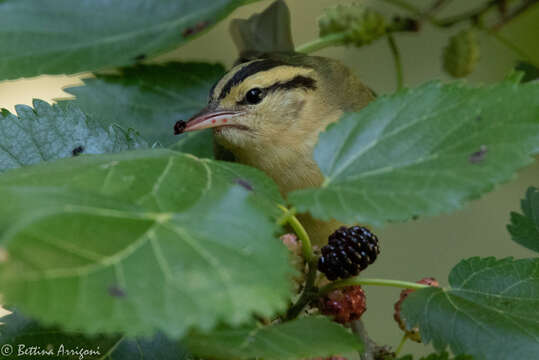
[270,108]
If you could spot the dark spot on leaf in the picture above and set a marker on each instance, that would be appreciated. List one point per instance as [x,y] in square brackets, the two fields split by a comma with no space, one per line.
[415,217]
[245,184]
[478,118]
[140,57]
[115,291]
[479,155]
[192,30]
[77,151]
[179,127]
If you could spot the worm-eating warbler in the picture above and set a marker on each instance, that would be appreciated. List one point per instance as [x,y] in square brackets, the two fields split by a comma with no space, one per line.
[270,110]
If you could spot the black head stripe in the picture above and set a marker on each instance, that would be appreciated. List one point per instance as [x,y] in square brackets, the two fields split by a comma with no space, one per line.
[213,89]
[246,71]
[299,81]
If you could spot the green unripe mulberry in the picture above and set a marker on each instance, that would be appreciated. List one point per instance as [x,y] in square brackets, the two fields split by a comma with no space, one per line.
[359,24]
[461,54]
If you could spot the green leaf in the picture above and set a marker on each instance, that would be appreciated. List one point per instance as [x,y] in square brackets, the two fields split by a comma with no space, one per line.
[524,228]
[531,72]
[67,37]
[23,333]
[423,151]
[489,311]
[25,336]
[141,241]
[48,132]
[438,356]
[149,98]
[297,339]
[198,143]
[157,348]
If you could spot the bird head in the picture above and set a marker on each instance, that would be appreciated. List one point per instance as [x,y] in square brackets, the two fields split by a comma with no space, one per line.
[280,102]
[274,101]
[257,101]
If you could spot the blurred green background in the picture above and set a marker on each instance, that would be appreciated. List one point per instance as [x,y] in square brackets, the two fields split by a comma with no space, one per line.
[410,251]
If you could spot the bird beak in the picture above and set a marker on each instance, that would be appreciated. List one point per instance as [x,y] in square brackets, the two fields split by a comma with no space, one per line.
[212,119]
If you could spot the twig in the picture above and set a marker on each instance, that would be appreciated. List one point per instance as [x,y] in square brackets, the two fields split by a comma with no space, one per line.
[401,344]
[323,42]
[504,41]
[472,15]
[397,58]
[417,12]
[338,39]
[447,22]
[514,14]
[369,345]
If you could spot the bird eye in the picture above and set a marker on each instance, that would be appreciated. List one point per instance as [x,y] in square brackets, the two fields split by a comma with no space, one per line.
[254,96]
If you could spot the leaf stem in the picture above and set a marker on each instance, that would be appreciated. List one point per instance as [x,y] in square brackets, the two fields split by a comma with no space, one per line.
[113,347]
[510,45]
[291,219]
[401,344]
[309,293]
[514,14]
[397,57]
[365,281]
[447,22]
[467,16]
[322,42]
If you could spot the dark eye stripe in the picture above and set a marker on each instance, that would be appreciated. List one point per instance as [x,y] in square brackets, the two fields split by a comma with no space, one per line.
[249,70]
[299,81]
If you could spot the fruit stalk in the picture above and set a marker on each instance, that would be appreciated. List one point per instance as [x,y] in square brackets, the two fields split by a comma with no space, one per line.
[365,281]
[309,292]
[290,219]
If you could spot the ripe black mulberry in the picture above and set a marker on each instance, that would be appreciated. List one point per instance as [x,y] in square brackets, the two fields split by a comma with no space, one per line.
[349,251]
